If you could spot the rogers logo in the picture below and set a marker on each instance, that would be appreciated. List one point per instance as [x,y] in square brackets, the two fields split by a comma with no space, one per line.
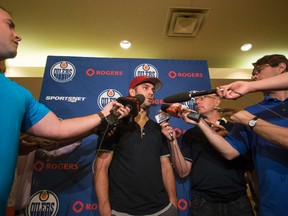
[91,72]
[40,166]
[173,74]
[79,206]
[61,166]
[179,132]
[183,204]
[158,101]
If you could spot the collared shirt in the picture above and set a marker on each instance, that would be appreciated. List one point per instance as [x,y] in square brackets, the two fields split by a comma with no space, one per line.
[135,177]
[271,161]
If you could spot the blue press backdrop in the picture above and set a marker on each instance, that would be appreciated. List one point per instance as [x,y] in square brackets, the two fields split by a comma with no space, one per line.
[77,86]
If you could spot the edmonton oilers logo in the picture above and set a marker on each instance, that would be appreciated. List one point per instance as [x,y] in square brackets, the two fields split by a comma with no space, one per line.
[107,96]
[146,70]
[191,103]
[43,203]
[63,71]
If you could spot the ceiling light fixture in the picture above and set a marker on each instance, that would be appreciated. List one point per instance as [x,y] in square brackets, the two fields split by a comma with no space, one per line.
[246,47]
[125,44]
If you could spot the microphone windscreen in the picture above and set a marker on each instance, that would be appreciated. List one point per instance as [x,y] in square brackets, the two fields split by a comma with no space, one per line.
[180,97]
[140,97]
[204,92]
[120,99]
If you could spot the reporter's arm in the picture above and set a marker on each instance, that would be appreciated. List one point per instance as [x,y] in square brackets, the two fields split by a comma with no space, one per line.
[217,141]
[232,90]
[273,133]
[51,127]
[279,82]
[169,180]
[181,166]
[101,182]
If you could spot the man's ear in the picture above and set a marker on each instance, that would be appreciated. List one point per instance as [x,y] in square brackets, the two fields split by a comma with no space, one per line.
[217,102]
[283,67]
[132,92]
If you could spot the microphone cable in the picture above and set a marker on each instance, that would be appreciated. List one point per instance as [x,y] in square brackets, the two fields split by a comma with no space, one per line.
[83,171]
[256,103]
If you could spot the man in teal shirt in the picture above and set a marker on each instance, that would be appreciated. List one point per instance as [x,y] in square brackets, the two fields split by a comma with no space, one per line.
[19,111]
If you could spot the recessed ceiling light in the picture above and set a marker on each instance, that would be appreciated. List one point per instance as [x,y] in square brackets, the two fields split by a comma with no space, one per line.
[246,47]
[125,44]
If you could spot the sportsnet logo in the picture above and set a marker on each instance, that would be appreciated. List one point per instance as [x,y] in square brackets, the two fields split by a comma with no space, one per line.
[71,99]
[107,96]
[63,71]
[43,202]
[146,70]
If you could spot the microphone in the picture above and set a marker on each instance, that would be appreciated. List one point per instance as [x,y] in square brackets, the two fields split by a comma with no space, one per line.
[133,102]
[186,96]
[162,117]
[175,108]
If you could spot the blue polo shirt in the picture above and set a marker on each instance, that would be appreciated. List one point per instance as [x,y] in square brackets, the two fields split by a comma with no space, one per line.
[18,112]
[271,161]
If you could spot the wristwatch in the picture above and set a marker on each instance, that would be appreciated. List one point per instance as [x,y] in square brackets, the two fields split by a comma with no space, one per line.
[252,122]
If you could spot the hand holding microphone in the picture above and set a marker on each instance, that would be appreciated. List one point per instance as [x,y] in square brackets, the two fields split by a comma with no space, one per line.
[162,118]
[177,110]
[174,109]
[117,108]
[168,131]
[124,104]
[133,102]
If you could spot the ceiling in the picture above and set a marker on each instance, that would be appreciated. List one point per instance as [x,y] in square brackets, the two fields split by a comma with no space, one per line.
[94,28]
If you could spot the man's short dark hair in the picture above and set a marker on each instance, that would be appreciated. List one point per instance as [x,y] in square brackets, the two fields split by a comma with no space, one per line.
[272,60]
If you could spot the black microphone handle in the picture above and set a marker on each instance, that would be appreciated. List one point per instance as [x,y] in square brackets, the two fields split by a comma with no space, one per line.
[194,116]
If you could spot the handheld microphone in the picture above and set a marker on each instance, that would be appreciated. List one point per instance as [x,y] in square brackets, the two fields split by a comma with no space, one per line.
[186,96]
[133,102]
[162,117]
[175,108]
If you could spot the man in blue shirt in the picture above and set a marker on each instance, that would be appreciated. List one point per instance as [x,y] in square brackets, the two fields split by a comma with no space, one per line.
[19,111]
[270,159]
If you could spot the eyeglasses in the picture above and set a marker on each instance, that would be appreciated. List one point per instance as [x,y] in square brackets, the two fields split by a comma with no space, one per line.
[201,98]
[259,68]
